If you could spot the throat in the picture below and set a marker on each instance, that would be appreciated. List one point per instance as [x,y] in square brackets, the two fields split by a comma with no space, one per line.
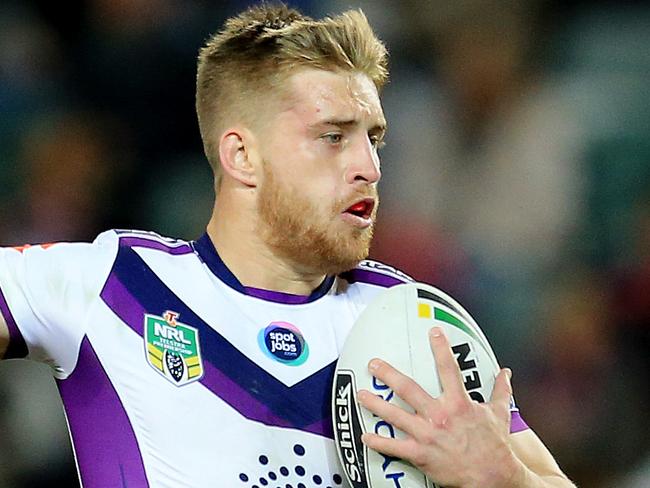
[260,269]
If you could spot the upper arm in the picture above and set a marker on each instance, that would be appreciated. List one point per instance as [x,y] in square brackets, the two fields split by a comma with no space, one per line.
[4,336]
[45,293]
[532,452]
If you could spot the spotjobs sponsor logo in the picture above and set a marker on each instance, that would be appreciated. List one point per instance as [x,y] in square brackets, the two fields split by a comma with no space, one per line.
[283,342]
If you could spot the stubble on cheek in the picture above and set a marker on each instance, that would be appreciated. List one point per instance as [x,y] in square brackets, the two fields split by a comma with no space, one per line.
[300,231]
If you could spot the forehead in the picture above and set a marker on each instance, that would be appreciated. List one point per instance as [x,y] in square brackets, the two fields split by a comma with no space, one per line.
[317,94]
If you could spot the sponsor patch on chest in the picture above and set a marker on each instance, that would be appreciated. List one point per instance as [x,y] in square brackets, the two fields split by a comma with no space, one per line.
[283,342]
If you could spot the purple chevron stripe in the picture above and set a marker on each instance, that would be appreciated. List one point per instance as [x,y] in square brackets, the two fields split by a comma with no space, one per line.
[123,304]
[131,312]
[107,449]
[247,405]
[321,427]
[238,398]
[17,347]
[152,244]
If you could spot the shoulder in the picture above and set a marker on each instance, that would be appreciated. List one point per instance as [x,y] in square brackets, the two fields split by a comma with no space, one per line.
[107,246]
[64,257]
[96,259]
[148,240]
[375,273]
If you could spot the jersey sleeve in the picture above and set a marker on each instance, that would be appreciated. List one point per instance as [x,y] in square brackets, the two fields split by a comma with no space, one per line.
[46,293]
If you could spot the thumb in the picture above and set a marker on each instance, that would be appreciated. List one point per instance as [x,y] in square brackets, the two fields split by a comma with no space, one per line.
[502,393]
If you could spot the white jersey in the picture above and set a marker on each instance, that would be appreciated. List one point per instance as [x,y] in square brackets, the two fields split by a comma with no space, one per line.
[173,374]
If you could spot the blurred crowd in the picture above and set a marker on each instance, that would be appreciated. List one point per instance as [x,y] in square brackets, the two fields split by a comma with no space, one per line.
[516,177]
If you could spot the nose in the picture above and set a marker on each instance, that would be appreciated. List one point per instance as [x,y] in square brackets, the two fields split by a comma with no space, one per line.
[364,164]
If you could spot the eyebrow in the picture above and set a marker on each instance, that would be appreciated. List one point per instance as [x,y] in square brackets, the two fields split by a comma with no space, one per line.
[349,123]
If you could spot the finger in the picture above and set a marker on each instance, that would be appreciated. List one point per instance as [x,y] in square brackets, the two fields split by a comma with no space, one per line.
[448,370]
[501,394]
[394,415]
[398,448]
[403,386]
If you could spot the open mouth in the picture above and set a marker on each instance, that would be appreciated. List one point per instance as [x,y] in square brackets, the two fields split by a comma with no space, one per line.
[362,209]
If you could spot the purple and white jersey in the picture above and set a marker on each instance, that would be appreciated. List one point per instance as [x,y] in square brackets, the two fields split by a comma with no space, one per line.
[173,374]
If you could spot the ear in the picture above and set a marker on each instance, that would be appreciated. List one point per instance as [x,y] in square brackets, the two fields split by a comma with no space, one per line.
[237,156]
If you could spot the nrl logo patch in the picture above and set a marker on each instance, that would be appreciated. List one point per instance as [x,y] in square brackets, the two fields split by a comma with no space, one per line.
[173,348]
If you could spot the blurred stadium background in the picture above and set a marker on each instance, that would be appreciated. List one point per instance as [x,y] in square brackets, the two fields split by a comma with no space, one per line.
[516,177]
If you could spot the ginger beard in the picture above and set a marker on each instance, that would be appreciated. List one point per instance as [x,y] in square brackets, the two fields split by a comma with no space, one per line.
[296,229]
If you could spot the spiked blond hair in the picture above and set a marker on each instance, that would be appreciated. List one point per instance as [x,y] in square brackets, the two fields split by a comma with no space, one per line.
[240,66]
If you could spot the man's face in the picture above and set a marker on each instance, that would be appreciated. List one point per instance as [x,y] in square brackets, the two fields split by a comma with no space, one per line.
[317,200]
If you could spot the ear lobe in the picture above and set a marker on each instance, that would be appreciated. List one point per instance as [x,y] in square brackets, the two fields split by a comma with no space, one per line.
[235,158]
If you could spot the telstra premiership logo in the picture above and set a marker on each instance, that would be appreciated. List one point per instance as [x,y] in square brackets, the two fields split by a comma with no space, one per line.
[173,348]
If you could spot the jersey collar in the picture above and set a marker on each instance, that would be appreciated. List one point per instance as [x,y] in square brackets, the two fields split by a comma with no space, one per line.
[206,250]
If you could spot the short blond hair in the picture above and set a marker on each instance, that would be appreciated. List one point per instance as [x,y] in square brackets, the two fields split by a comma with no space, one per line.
[258,49]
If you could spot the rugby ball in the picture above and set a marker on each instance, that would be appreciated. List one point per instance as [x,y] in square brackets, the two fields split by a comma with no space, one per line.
[395,327]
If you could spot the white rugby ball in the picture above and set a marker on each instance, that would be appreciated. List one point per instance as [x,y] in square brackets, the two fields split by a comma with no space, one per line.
[395,327]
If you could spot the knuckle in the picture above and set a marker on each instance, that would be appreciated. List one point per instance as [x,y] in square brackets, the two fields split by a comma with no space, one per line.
[437,417]
[427,436]
[419,456]
[407,389]
[411,392]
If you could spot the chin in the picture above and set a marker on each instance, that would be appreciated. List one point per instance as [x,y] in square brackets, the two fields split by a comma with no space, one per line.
[338,267]
[336,257]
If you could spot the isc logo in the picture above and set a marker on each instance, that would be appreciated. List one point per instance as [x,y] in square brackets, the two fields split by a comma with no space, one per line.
[283,342]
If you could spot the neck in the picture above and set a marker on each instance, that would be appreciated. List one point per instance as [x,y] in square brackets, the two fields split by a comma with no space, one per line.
[233,232]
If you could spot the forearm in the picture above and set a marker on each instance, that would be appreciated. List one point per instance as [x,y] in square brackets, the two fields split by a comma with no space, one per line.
[525,477]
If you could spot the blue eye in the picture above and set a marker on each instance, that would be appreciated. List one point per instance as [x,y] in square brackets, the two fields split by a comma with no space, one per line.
[334,138]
